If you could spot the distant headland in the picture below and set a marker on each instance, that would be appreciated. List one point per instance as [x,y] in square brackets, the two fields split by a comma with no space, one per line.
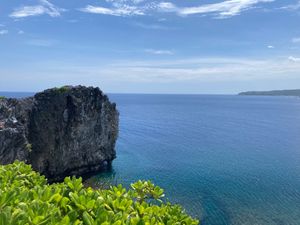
[294,92]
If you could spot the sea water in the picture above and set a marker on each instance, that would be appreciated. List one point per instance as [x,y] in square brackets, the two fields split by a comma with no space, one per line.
[226,159]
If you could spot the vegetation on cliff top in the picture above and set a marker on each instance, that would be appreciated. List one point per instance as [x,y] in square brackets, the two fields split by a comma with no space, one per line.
[62,89]
[26,198]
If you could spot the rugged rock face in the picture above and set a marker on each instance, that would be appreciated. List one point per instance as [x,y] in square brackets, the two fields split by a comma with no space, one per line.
[60,131]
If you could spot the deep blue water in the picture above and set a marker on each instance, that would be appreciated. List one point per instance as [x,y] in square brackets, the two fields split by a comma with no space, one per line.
[226,159]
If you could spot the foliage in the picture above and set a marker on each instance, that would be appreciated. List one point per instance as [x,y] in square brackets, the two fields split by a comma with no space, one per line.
[62,89]
[2,97]
[28,146]
[27,198]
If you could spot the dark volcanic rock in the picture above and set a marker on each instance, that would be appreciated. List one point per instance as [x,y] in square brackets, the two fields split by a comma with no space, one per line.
[60,131]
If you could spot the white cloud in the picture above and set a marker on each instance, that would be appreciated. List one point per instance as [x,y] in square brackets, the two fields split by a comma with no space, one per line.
[270,46]
[167,7]
[222,9]
[2,32]
[194,69]
[159,52]
[295,6]
[134,74]
[296,40]
[294,59]
[123,10]
[45,7]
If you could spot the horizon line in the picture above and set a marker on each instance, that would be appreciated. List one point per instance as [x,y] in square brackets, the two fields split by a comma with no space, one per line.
[132,93]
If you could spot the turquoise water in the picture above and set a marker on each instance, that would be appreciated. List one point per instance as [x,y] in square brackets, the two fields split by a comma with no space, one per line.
[227,159]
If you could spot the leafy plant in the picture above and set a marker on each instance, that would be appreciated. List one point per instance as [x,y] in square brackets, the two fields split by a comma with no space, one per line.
[2,97]
[62,89]
[27,198]
[28,146]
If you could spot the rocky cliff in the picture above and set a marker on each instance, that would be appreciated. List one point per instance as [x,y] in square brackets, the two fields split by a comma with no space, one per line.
[60,131]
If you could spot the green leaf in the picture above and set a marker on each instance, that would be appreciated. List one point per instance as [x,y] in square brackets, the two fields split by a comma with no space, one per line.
[87,219]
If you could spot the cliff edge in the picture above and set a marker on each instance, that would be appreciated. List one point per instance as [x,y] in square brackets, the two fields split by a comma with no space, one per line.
[61,131]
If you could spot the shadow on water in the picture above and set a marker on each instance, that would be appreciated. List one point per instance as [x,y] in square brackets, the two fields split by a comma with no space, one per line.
[102,180]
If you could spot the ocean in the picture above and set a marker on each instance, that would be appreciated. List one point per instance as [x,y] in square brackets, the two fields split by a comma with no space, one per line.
[226,159]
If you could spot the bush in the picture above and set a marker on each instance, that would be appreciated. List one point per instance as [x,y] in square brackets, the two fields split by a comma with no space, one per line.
[27,198]
[62,90]
[28,146]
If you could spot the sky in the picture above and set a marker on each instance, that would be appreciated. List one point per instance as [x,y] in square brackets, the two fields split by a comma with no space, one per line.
[140,46]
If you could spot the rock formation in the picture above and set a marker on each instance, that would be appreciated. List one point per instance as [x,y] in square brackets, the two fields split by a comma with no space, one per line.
[60,131]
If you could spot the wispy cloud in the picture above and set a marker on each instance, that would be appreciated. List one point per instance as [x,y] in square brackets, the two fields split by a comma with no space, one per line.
[119,8]
[194,69]
[221,10]
[295,6]
[45,7]
[153,26]
[294,59]
[296,40]
[270,46]
[167,7]
[136,75]
[2,32]
[159,52]
[124,10]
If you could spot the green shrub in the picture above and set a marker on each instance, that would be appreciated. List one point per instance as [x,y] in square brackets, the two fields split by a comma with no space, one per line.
[28,146]
[62,89]
[27,198]
[2,97]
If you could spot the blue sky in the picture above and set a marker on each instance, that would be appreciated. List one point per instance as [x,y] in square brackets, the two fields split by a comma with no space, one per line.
[139,46]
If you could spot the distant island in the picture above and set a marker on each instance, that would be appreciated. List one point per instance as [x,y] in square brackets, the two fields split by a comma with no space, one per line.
[295,92]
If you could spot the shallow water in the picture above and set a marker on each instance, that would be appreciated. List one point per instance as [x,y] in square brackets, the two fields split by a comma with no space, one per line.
[226,159]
